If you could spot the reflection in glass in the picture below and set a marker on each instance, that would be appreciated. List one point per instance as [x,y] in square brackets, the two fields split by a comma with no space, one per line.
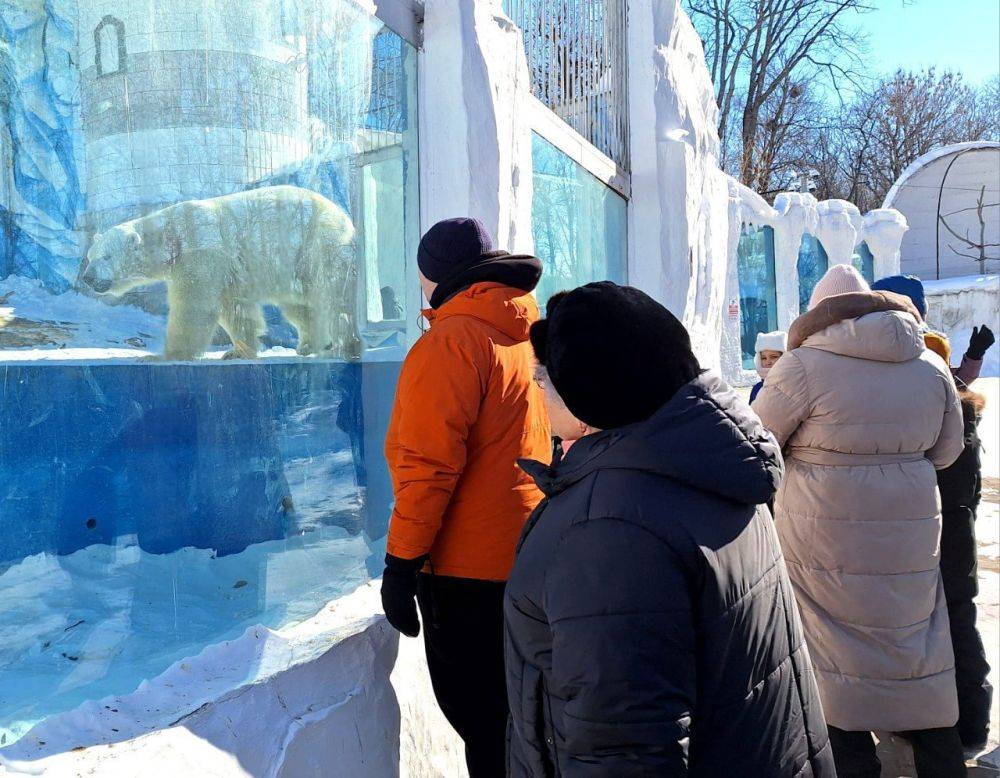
[144,163]
[578,223]
[812,264]
[195,179]
[864,262]
[758,295]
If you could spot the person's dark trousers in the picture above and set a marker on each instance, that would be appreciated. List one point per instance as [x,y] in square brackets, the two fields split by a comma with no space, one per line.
[961,490]
[854,754]
[937,753]
[971,671]
[958,573]
[463,635]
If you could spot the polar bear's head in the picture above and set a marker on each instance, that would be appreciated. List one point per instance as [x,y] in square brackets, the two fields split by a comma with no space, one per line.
[116,261]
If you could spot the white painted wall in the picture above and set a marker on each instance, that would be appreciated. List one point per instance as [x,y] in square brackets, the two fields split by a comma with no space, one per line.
[915,195]
[679,214]
[475,139]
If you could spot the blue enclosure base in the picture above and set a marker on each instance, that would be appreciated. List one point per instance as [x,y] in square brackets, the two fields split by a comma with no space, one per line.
[210,455]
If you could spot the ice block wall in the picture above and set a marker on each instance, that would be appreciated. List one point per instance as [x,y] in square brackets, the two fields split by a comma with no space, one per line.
[41,196]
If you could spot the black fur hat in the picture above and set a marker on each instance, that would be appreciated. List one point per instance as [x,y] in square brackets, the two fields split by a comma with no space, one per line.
[613,353]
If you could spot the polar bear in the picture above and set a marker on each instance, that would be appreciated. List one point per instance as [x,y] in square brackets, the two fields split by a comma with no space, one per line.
[224,257]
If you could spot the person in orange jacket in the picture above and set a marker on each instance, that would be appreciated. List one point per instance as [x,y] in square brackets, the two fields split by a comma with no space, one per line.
[466,411]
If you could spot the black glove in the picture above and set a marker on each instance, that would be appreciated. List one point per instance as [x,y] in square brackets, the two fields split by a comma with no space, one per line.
[399,591]
[980,342]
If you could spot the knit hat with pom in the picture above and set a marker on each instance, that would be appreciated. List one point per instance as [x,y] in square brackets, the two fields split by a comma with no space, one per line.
[839,279]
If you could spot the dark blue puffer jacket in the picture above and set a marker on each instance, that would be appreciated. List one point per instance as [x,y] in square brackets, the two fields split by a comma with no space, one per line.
[650,626]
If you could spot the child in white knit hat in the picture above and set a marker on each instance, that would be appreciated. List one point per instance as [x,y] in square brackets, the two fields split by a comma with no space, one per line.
[769,348]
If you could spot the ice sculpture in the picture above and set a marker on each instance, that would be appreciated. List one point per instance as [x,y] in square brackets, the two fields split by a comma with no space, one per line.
[224,258]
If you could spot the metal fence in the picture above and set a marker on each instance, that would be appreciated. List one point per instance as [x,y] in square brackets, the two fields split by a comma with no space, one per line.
[576,60]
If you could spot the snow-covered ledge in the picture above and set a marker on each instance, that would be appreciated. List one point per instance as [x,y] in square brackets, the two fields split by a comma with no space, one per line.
[956,305]
[313,699]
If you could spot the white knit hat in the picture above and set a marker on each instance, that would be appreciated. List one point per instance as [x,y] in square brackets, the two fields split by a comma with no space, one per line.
[839,279]
[772,341]
[769,341]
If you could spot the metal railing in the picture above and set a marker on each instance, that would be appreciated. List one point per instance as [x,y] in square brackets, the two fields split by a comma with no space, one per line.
[576,61]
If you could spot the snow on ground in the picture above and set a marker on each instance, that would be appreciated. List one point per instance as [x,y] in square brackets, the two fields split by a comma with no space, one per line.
[104,619]
[73,327]
[988,537]
[31,317]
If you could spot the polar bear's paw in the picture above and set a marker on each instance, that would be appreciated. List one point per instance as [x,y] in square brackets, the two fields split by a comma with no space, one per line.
[240,353]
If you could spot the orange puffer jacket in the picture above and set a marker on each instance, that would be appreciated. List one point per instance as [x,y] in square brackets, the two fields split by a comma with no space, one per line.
[466,410]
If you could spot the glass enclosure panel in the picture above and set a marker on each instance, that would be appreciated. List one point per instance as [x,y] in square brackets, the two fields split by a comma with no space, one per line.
[812,264]
[758,293]
[578,223]
[864,262]
[183,181]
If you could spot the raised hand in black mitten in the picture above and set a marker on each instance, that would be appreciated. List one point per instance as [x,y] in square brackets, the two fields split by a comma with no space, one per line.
[399,591]
[980,342]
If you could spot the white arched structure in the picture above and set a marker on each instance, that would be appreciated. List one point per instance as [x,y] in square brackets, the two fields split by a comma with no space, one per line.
[840,229]
[951,198]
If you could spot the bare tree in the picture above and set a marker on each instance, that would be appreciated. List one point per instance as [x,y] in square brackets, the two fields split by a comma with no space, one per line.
[791,122]
[755,47]
[900,118]
[967,241]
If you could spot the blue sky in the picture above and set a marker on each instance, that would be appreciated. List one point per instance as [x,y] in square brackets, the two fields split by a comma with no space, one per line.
[962,35]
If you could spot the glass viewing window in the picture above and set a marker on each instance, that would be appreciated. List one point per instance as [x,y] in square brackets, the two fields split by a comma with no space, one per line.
[206,289]
[578,223]
[758,294]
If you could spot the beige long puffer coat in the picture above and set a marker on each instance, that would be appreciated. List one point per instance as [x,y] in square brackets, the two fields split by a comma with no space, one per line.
[866,414]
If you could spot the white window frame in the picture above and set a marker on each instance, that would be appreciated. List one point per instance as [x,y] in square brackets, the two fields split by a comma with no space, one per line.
[547,124]
[403,17]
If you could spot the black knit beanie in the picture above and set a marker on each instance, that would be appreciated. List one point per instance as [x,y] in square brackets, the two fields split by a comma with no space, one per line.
[613,353]
[450,244]
[457,253]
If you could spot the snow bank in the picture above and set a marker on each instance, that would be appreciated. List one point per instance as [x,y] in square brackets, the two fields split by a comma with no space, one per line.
[956,305]
[102,620]
[313,699]
[988,537]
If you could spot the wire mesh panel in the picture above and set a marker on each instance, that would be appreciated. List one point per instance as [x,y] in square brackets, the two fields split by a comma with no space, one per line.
[576,61]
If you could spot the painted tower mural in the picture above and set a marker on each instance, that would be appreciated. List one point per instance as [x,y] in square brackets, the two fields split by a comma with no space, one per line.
[185,102]
[113,111]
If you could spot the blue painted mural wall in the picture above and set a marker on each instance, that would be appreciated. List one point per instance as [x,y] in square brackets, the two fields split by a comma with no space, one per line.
[216,456]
